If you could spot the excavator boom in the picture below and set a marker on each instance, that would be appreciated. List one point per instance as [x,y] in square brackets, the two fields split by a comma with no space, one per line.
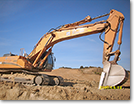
[60,35]
[40,59]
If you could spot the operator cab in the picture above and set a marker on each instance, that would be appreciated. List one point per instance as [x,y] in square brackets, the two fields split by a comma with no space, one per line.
[49,62]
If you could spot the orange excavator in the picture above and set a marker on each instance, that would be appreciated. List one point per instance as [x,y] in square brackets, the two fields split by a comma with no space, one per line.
[30,68]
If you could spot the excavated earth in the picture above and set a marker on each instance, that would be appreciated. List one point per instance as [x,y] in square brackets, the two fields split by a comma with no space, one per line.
[79,84]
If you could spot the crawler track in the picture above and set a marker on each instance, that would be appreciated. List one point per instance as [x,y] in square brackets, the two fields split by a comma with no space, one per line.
[29,77]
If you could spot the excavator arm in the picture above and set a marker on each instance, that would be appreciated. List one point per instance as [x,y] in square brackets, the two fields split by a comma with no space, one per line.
[60,35]
[75,30]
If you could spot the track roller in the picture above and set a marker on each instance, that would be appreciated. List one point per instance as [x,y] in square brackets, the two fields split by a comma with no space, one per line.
[48,80]
[56,80]
[41,80]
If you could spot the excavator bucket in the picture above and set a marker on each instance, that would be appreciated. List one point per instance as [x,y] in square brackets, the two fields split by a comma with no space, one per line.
[112,75]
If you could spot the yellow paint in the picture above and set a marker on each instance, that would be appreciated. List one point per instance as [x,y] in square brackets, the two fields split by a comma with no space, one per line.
[89,30]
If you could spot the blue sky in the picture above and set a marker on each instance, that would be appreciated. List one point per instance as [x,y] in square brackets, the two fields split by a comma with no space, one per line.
[24,22]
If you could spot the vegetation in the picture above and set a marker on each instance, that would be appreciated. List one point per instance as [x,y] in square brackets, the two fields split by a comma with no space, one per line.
[65,67]
[81,67]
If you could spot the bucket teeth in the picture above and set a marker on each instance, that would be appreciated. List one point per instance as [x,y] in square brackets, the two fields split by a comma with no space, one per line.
[112,75]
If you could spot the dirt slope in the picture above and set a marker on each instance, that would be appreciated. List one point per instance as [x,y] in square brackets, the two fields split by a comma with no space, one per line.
[76,74]
[79,85]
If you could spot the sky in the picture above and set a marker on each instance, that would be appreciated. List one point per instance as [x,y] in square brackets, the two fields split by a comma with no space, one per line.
[24,22]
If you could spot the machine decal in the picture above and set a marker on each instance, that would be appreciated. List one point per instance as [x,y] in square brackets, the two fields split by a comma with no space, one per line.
[68,33]
[78,30]
[89,30]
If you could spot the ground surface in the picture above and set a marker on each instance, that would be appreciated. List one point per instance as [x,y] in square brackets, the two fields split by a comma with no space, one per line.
[80,84]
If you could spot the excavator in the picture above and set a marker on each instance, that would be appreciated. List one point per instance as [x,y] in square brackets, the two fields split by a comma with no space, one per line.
[30,69]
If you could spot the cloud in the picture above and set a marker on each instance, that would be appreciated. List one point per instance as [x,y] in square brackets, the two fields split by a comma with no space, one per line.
[92,40]
[4,44]
[7,42]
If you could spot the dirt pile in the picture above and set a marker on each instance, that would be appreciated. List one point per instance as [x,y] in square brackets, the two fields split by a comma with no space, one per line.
[78,85]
